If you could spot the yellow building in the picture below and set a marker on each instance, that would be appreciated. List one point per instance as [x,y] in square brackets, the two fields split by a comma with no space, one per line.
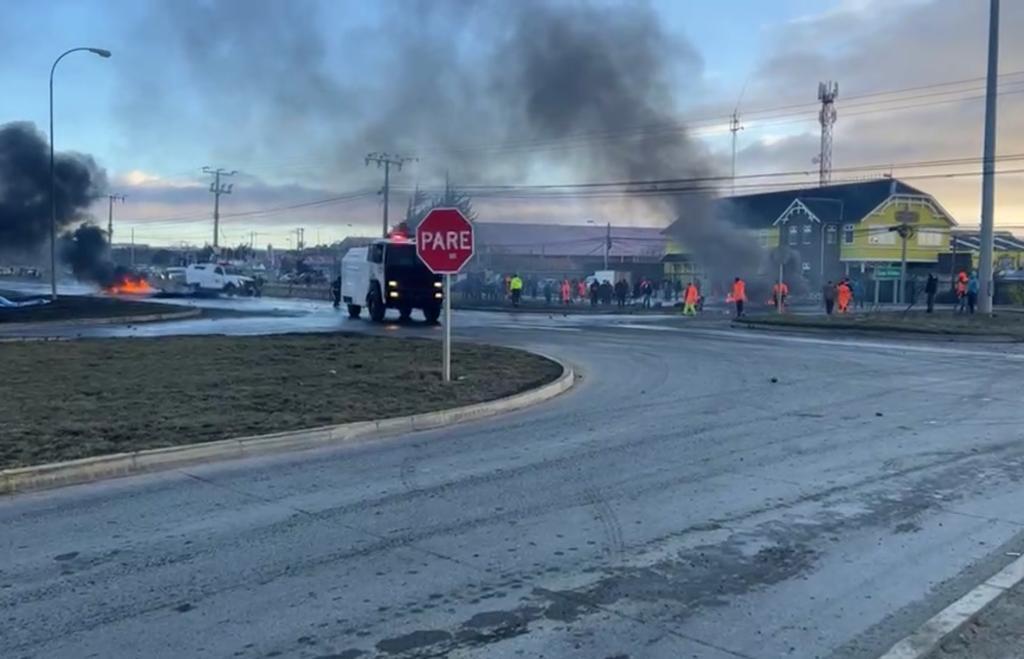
[848,229]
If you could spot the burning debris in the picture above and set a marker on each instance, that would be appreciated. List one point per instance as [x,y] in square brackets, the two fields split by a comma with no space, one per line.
[87,252]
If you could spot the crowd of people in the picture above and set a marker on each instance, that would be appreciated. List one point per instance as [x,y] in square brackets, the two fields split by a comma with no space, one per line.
[838,297]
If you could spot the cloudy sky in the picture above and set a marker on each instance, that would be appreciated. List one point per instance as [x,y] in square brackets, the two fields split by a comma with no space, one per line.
[293,94]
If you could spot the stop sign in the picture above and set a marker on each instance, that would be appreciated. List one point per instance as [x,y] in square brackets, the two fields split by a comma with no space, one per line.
[444,240]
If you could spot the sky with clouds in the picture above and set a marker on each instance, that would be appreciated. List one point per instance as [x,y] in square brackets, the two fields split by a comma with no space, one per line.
[293,95]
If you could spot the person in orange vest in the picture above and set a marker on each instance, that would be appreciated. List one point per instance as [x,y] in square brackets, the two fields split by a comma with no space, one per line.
[843,295]
[780,291]
[961,292]
[566,292]
[690,300]
[739,295]
[581,290]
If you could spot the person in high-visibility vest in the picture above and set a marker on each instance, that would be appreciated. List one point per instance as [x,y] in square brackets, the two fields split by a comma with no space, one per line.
[739,295]
[566,292]
[780,291]
[690,300]
[843,296]
[581,290]
[961,292]
[515,288]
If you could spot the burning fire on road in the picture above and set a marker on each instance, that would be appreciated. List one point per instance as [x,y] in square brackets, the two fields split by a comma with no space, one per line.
[129,284]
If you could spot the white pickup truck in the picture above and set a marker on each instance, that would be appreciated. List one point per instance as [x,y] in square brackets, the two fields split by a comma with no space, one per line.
[200,278]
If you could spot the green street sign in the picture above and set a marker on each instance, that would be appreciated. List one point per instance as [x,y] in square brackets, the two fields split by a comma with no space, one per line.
[886,273]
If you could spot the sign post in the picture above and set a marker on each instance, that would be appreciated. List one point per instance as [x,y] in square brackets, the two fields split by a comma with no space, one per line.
[445,243]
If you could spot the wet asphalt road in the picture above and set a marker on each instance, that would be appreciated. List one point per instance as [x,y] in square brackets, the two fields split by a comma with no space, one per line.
[677,503]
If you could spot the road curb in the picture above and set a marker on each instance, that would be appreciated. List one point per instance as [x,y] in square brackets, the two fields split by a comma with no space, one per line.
[106,320]
[58,474]
[948,621]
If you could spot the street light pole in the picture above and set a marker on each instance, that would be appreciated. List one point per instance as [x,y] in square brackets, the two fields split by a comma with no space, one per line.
[53,178]
[989,164]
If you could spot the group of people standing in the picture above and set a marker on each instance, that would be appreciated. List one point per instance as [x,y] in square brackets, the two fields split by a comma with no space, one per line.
[842,296]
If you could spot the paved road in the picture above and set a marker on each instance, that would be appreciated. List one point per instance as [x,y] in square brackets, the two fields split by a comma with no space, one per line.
[677,503]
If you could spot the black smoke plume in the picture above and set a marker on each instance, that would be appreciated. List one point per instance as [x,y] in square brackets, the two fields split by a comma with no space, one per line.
[25,186]
[604,83]
[87,251]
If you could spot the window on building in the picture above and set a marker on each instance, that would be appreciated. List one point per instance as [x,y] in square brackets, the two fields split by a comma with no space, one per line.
[881,236]
[929,238]
[793,237]
[830,234]
[807,234]
[848,234]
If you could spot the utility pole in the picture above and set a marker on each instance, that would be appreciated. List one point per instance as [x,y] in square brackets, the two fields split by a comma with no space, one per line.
[132,252]
[300,239]
[905,231]
[607,244]
[988,182]
[386,160]
[111,198]
[827,94]
[218,188]
[734,127]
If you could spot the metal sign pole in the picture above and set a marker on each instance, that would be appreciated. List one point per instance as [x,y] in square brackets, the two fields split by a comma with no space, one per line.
[447,328]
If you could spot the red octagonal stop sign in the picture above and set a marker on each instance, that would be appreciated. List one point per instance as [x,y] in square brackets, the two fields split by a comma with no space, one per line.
[444,240]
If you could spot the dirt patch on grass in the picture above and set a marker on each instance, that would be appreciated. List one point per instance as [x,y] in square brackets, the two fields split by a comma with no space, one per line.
[80,307]
[74,399]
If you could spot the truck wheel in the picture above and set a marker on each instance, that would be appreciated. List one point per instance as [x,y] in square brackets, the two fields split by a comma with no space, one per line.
[354,310]
[230,289]
[404,313]
[432,313]
[375,306]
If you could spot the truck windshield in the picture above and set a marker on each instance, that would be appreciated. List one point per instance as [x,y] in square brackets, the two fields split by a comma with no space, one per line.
[403,256]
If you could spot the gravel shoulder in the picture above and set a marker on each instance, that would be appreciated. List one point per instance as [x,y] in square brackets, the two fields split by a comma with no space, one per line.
[76,399]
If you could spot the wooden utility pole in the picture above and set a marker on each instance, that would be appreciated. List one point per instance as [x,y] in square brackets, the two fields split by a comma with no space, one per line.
[386,160]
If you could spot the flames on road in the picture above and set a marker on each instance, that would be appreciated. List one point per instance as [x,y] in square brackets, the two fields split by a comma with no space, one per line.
[130,284]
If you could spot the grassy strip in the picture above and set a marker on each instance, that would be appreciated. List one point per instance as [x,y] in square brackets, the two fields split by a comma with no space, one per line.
[940,322]
[79,307]
[75,399]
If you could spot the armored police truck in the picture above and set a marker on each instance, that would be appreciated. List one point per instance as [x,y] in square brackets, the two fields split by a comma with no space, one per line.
[388,274]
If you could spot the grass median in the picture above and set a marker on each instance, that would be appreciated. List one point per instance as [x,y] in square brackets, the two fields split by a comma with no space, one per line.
[1009,325]
[73,307]
[74,399]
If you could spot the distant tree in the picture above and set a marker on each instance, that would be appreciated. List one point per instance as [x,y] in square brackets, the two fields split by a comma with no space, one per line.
[420,204]
[161,258]
[204,254]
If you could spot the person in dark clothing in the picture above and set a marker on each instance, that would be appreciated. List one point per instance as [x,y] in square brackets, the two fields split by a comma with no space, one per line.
[548,292]
[828,294]
[595,292]
[621,292]
[606,292]
[931,287]
[336,291]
